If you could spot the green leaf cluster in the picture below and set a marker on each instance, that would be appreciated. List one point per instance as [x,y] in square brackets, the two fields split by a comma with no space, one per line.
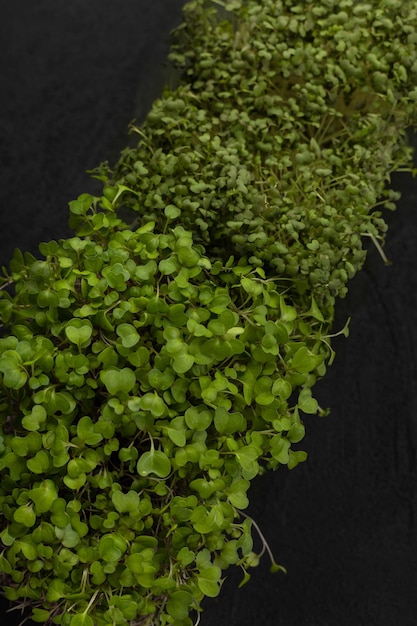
[279,141]
[149,371]
[135,412]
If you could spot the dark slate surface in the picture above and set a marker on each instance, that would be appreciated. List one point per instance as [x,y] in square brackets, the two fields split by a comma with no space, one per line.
[72,76]
[344,524]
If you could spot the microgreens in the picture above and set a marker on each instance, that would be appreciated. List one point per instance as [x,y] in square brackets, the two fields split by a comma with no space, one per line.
[156,362]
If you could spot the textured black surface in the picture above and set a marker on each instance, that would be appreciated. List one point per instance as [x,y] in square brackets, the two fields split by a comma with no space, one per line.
[72,76]
[344,523]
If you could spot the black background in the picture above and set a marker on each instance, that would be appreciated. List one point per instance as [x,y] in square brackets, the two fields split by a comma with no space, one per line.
[72,76]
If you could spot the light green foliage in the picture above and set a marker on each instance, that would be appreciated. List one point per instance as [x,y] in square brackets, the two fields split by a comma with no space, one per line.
[139,411]
[150,371]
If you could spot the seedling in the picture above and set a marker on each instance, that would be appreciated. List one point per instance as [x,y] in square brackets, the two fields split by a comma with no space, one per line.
[149,371]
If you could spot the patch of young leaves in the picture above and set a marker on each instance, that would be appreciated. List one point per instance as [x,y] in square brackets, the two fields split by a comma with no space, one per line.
[279,143]
[149,373]
[142,388]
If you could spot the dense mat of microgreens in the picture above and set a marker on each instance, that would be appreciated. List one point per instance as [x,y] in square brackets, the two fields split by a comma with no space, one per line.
[156,362]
